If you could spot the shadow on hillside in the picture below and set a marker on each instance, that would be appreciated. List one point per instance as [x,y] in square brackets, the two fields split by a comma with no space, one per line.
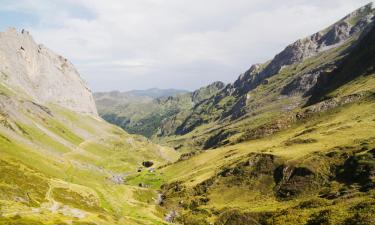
[359,62]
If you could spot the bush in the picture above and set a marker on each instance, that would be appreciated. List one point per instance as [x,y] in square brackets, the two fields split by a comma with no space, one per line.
[320,218]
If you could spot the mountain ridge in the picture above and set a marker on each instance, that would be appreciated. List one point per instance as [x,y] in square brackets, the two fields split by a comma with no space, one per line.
[237,101]
[294,147]
[232,102]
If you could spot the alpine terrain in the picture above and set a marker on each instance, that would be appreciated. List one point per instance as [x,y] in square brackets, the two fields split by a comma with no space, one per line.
[60,163]
[291,141]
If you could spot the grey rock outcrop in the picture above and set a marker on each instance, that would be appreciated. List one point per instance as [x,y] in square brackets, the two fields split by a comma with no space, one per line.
[38,73]
[303,83]
[304,48]
[201,94]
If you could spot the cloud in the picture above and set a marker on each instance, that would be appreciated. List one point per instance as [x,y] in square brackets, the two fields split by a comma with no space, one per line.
[125,44]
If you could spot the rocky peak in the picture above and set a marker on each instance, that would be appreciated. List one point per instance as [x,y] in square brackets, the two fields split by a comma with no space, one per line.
[246,78]
[216,85]
[41,74]
[364,11]
[302,49]
[207,91]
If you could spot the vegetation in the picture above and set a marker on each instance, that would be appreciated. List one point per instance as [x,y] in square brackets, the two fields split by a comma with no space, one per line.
[151,117]
[59,166]
[278,152]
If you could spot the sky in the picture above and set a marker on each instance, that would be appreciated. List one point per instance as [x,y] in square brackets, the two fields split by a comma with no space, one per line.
[183,44]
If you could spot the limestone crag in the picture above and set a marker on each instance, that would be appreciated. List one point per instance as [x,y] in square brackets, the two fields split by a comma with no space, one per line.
[42,75]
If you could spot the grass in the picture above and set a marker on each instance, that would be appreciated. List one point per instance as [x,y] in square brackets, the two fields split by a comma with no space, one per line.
[146,178]
[69,158]
[59,167]
[304,145]
[22,184]
[87,186]
[76,200]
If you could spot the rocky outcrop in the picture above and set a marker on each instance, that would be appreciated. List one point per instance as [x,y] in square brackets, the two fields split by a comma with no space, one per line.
[292,181]
[330,104]
[307,47]
[38,73]
[207,91]
[303,83]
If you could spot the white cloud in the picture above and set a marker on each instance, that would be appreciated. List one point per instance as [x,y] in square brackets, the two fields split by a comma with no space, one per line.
[125,44]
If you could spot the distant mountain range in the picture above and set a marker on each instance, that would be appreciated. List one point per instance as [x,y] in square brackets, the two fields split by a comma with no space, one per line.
[157,93]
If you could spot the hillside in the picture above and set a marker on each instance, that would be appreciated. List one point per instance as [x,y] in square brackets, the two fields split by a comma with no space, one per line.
[278,87]
[149,114]
[291,141]
[59,161]
[305,154]
[255,99]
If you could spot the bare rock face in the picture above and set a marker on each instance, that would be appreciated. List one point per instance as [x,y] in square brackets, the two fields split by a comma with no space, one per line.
[331,37]
[328,38]
[39,73]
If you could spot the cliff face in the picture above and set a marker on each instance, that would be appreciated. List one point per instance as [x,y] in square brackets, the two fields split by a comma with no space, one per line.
[41,74]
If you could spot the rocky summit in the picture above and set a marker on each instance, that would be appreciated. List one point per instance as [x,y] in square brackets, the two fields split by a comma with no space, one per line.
[38,72]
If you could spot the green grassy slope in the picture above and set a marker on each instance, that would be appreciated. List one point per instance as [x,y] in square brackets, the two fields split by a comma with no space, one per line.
[282,152]
[299,154]
[60,167]
[319,169]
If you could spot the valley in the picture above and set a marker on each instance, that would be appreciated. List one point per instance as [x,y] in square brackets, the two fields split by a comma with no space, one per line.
[291,141]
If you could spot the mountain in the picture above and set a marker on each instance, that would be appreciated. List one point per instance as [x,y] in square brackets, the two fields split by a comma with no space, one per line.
[37,72]
[139,112]
[59,162]
[255,99]
[273,88]
[157,93]
[115,98]
[106,101]
[290,141]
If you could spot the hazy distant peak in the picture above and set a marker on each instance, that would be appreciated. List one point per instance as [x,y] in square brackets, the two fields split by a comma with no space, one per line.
[157,93]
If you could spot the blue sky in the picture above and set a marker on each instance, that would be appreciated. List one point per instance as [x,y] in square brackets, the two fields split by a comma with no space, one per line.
[185,44]
[16,18]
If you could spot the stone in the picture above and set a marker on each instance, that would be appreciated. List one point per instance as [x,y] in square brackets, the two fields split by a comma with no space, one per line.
[41,74]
